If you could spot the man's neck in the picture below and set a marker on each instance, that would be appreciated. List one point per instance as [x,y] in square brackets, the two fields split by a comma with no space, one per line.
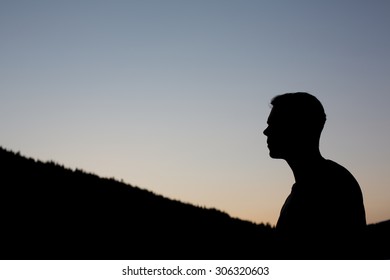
[304,166]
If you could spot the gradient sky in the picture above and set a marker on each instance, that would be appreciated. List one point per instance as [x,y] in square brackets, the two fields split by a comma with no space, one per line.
[173,96]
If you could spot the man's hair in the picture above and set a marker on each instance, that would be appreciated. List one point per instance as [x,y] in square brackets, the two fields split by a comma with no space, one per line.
[302,109]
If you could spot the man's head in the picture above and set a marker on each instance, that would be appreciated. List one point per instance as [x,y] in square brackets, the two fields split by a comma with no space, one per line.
[294,125]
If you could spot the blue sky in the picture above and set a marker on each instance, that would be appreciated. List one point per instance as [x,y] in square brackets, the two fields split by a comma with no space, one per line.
[173,96]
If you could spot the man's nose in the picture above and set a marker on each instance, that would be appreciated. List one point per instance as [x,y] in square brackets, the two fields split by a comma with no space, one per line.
[265,132]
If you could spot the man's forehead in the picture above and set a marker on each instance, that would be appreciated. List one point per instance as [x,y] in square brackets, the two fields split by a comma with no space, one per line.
[277,115]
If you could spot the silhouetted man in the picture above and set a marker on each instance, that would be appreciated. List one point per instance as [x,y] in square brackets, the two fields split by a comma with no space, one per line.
[324,216]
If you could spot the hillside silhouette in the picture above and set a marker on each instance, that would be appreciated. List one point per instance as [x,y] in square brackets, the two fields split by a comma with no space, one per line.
[52,212]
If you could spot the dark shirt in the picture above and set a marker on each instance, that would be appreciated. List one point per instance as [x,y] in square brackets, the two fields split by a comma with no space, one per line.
[325,212]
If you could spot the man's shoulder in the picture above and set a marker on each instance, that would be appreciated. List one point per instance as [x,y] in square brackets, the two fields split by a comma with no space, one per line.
[337,171]
[340,179]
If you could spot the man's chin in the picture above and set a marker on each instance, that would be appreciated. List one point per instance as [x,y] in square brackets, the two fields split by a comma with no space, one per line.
[275,155]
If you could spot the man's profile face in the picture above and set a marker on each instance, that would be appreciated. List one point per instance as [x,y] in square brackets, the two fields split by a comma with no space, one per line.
[282,136]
